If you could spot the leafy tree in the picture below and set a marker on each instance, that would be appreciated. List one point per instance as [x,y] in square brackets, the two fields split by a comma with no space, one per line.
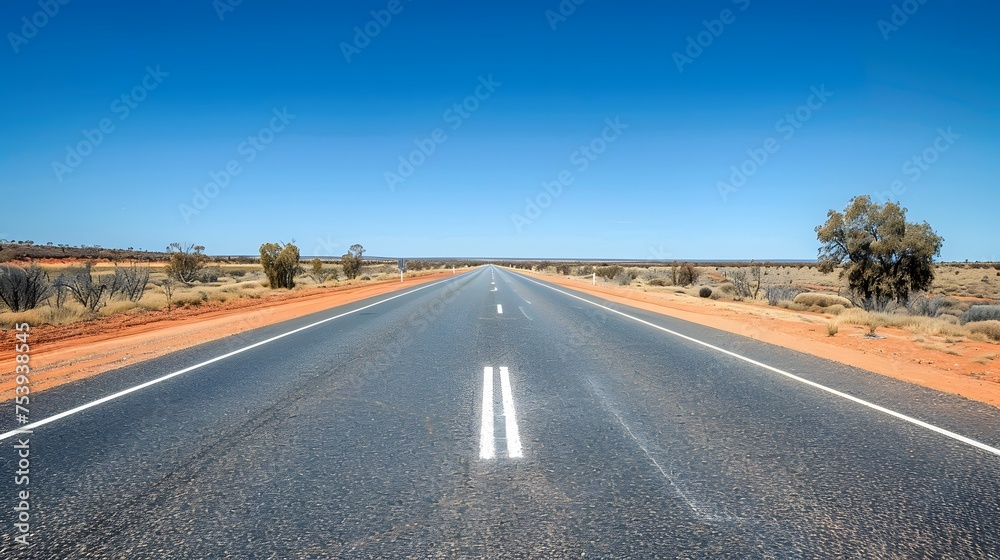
[351,261]
[885,257]
[281,264]
[186,261]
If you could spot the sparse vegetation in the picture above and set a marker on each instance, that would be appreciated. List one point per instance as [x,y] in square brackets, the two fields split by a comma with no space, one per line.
[625,277]
[609,272]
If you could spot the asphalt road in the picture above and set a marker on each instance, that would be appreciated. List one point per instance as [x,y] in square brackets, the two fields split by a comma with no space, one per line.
[491,415]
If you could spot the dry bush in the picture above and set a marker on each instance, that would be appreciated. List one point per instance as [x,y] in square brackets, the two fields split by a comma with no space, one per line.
[625,277]
[609,272]
[978,313]
[989,328]
[24,288]
[775,293]
[832,328]
[815,299]
[918,325]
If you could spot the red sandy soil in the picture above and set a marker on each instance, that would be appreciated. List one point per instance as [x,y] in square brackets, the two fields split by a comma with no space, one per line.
[961,368]
[60,354]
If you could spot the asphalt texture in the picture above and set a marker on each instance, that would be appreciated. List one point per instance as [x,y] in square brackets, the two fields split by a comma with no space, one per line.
[361,437]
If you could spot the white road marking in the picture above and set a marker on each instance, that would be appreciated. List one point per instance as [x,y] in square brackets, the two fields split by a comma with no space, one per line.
[873,406]
[92,404]
[513,437]
[487,449]
[499,309]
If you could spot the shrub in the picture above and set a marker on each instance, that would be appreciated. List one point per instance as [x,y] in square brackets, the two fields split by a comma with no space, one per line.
[932,306]
[658,282]
[989,328]
[84,288]
[746,284]
[683,274]
[978,313]
[209,275]
[280,263]
[625,277]
[820,300]
[185,262]
[705,292]
[23,288]
[775,293]
[832,328]
[351,261]
[609,272]
[129,282]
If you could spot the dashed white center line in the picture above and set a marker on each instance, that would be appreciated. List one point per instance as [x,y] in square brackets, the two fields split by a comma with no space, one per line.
[499,309]
[513,437]
[487,448]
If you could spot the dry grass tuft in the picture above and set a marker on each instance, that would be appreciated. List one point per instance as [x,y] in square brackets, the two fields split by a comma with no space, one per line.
[991,329]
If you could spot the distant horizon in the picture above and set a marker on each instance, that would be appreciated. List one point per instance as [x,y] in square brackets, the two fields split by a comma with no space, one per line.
[504,259]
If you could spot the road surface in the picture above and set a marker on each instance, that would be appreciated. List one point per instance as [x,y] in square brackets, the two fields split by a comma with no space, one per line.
[493,415]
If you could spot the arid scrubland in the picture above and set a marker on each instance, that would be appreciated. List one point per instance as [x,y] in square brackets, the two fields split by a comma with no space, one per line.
[963,301]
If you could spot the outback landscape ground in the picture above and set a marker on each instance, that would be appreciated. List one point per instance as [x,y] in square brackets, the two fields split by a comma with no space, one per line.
[930,342]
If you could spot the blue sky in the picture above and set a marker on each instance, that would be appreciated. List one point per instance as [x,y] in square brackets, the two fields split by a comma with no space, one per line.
[313,118]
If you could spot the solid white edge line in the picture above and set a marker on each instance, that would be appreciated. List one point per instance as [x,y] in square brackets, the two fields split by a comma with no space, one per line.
[487,448]
[911,420]
[81,408]
[510,419]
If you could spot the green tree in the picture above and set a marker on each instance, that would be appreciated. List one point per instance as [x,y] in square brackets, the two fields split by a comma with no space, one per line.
[281,264]
[351,261]
[186,261]
[885,257]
